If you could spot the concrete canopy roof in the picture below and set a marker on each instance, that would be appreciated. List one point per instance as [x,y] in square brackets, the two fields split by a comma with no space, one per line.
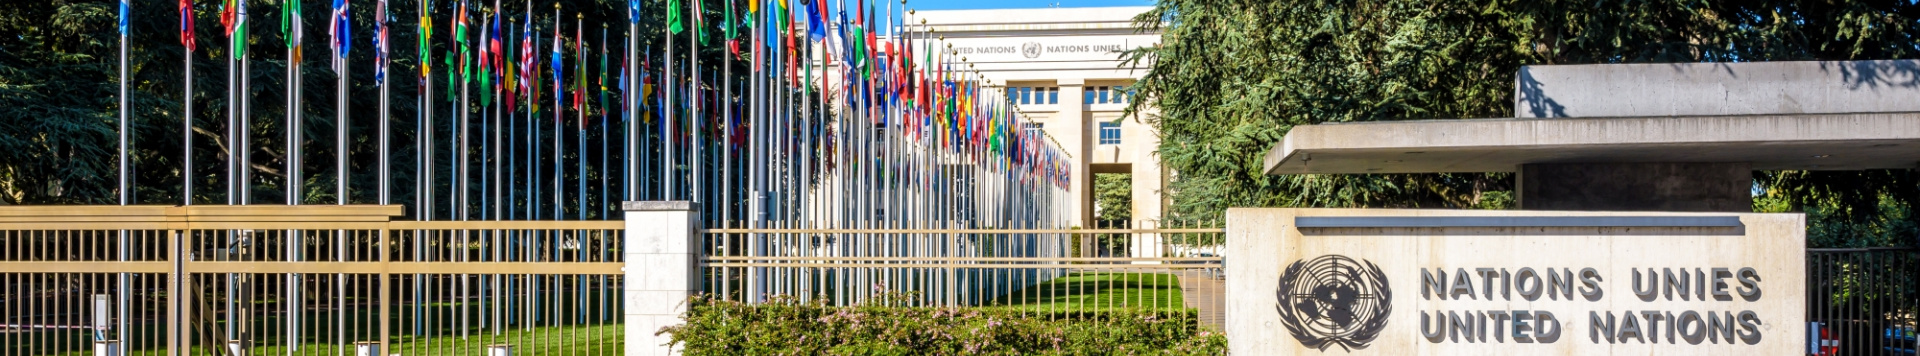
[1850,141]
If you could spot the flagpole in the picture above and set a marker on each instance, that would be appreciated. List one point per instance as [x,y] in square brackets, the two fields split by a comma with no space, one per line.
[726,122]
[580,114]
[233,137]
[186,104]
[632,105]
[559,206]
[385,166]
[694,139]
[126,181]
[292,23]
[669,87]
[341,44]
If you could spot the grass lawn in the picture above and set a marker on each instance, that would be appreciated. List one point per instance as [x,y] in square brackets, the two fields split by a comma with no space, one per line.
[1098,291]
[567,340]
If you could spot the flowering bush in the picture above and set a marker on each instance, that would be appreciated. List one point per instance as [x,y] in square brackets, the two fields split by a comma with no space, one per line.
[788,326]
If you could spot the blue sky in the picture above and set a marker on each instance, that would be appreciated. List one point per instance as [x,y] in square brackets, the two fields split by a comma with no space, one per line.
[1017,4]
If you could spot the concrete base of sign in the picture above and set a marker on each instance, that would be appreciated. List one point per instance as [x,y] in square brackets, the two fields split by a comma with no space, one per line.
[1475,282]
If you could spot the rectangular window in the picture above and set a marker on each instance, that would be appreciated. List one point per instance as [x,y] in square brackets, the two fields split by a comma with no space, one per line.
[1033,95]
[1109,133]
[1122,94]
[1035,126]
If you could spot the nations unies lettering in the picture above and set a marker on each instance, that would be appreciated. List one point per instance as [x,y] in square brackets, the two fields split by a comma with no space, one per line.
[1586,285]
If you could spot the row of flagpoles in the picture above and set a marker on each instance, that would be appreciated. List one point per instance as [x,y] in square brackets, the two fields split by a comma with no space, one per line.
[831,121]
[839,116]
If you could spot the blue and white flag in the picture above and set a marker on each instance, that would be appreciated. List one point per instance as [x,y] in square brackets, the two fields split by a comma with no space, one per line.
[340,30]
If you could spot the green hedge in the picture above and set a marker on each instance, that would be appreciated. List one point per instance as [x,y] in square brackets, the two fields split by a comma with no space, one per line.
[787,326]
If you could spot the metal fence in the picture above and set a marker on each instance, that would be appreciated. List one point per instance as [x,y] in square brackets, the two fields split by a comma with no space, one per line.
[1164,266]
[306,280]
[1863,301]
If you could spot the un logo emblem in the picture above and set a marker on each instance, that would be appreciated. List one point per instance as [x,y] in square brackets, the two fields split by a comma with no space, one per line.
[1334,300]
[1030,49]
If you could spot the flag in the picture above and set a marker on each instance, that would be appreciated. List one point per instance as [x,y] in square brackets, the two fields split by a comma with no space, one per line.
[625,99]
[340,29]
[227,17]
[509,79]
[699,12]
[526,59]
[493,41]
[673,16]
[486,66]
[239,30]
[603,72]
[460,39]
[580,70]
[816,20]
[633,12]
[559,95]
[123,17]
[380,42]
[186,24]
[426,51]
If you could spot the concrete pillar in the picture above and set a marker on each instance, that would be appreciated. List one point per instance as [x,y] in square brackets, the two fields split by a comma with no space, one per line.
[662,248]
[1144,174]
[1078,144]
[1713,187]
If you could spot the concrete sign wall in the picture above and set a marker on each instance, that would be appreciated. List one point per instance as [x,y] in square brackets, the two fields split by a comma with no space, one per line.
[1454,282]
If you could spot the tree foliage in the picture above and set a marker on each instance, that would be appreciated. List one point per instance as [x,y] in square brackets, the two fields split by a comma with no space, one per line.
[59,88]
[1231,77]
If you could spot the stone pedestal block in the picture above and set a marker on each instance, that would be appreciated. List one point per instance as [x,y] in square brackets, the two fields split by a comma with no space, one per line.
[661,251]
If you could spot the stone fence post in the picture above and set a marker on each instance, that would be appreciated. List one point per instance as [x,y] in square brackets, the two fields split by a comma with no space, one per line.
[661,249]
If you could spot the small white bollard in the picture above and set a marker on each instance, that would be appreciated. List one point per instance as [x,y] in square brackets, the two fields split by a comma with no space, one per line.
[366,348]
[106,348]
[500,350]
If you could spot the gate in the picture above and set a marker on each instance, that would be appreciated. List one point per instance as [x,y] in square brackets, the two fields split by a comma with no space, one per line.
[302,280]
[1863,301]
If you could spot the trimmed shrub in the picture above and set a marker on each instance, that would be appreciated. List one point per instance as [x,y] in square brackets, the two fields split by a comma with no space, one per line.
[786,326]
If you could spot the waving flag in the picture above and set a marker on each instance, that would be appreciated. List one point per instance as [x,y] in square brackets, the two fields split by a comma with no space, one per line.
[238,31]
[580,70]
[633,12]
[559,96]
[186,24]
[493,41]
[380,42]
[527,75]
[426,51]
[227,17]
[673,17]
[486,67]
[816,20]
[510,81]
[341,30]
[123,17]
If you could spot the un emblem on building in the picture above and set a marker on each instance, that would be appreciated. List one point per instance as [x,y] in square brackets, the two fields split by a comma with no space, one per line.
[1334,300]
[1030,49]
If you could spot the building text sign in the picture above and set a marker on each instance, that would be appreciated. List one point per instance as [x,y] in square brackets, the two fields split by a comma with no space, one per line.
[1396,282]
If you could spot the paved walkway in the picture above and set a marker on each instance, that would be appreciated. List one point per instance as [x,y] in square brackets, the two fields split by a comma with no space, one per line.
[1206,293]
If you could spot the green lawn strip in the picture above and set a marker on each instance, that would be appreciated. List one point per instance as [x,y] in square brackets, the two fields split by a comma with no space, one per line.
[1094,291]
[569,340]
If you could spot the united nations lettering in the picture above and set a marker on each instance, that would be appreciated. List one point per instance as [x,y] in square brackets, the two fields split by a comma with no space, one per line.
[1334,300]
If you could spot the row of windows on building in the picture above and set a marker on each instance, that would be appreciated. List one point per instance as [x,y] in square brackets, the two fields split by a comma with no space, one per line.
[1114,94]
[1109,131]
